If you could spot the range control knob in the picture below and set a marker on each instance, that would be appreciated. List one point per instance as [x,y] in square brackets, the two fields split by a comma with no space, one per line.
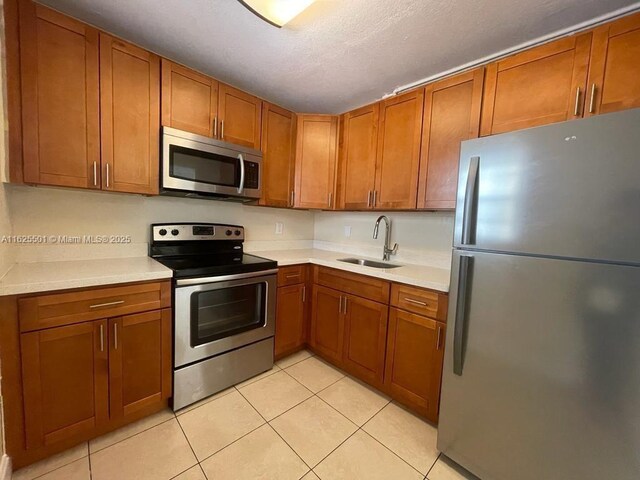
[228,233]
[237,232]
[162,231]
[175,232]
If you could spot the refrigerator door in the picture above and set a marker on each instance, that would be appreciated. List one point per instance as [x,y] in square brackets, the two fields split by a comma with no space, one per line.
[570,190]
[541,376]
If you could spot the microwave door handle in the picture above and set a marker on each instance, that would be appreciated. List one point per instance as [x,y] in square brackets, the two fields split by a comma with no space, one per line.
[241,187]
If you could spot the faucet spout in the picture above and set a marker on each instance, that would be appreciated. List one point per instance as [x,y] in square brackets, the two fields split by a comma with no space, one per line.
[387,252]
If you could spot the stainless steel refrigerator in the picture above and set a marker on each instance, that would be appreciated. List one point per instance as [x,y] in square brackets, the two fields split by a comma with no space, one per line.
[542,360]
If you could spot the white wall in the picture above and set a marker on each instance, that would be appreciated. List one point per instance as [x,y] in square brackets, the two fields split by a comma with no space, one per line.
[419,234]
[56,211]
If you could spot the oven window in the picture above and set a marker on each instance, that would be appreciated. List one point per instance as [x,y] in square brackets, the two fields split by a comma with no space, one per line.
[225,312]
[204,167]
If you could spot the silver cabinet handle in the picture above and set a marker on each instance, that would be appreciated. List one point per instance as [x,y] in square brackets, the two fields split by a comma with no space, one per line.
[304,293]
[115,336]
[439,338]
[375,198]
[293,197]
[330,199]
[461,315]
[95,174]
[369,199]
[215,126]
[292,275]
[108,304]
[416,302]
[592,101]
[346,300]
[469,201]
[576,111]
[101,338]
[340,305]
[221,129]
[107,175]
[241,187]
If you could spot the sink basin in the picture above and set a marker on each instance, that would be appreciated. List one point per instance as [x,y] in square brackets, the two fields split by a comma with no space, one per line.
[368,263]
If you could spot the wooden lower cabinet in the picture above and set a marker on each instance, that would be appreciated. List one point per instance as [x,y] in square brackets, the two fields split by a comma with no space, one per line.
[415,352]
[65,382]
[139,361]
[327,323]
[78,364]
[365,335]
[290,319]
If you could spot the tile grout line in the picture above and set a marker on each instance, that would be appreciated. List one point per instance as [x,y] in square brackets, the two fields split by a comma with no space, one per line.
[188,442]
[61,466]
[433,465]
[276,432]
[130,436]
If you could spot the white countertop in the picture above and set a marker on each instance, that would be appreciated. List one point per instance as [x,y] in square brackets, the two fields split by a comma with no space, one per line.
[47,276]
[411,274]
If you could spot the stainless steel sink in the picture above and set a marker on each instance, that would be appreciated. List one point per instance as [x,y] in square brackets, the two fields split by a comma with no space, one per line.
[368,263]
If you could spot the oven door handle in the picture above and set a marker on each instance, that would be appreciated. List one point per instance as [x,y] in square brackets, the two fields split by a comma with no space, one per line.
[223,278]
[241,187]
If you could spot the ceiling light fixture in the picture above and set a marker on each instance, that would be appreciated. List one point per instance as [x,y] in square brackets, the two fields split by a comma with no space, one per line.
[277,12]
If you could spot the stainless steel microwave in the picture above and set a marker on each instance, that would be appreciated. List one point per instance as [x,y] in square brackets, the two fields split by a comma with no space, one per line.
[195,165]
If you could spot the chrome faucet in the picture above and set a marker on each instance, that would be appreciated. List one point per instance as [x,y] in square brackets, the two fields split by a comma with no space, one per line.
[387,252]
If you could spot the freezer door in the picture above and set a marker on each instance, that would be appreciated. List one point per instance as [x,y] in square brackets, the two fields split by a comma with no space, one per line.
[541,375]
[570,189]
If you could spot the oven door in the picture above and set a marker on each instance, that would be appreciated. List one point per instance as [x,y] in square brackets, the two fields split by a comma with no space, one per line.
[193,163]
[215,315]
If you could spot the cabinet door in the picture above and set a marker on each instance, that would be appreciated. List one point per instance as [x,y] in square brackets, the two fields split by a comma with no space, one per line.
[65,382]
[358,157]
[290,319]
[451,115]
[240,117]
[189,100]
[130,114]
[327,323]
[316,144]
[139,361]
[413,372]
[398,153]
[60,98]
[365,336]
[278,147]
[542,85]
[614,72]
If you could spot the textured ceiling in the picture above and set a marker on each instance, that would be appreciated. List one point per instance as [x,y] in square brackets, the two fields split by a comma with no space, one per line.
[338,54]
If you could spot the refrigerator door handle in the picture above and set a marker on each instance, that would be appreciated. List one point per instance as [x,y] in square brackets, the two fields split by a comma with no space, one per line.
[469,201]
[461,316]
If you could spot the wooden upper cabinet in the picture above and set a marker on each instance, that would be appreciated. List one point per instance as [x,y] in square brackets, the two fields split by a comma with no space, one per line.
[130,114]
[398,152]
[60,98]
[359,130]
[365,335]
[543,85]
[614,72]
[240,117]
[139,361]
[316,145]
[278,148]
[451,115]
[189,100]
[415,352]
[65,382]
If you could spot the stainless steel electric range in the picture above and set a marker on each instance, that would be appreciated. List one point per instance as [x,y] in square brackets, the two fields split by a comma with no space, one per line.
[223,303]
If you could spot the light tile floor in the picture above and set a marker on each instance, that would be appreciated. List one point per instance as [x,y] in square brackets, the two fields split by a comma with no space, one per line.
[302,420]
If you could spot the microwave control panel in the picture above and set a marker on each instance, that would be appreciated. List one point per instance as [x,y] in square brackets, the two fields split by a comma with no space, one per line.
[251,175]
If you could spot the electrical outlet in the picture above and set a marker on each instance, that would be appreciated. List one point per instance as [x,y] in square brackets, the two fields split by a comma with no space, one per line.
[279,228]
[347,231]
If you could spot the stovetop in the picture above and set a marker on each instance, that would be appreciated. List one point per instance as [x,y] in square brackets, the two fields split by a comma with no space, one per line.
[203,250]
[214,265]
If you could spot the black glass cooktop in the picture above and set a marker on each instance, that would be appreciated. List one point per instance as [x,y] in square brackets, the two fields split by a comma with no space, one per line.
[185,266]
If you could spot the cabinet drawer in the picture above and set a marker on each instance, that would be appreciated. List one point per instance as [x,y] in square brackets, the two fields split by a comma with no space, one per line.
[45,311]
[292,275]
[353,283]
[420,301]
